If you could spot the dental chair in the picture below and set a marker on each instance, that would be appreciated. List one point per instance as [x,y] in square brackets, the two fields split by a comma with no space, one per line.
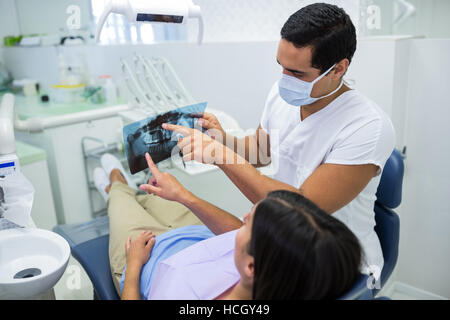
[359,291]
[89,241]
[389,197]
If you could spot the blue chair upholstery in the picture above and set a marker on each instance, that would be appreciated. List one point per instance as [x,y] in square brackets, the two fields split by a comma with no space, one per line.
[389,193]
[389,196]
[94,257]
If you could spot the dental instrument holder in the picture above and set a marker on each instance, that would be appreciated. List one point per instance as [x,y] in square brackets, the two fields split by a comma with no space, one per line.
[155,88]
[153,11]
[95,154]
[154,85]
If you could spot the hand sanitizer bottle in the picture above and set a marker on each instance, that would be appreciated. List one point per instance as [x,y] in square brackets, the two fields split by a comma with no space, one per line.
[110,90]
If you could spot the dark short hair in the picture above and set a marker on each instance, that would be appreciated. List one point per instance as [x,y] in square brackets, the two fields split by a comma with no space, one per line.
[301,252]
[325,27]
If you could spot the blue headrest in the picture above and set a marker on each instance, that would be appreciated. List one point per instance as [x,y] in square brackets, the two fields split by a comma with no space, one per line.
[388,231]
[360,291]
[389,192]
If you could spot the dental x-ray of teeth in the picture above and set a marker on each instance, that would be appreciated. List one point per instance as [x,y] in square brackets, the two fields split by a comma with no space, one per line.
[149,136]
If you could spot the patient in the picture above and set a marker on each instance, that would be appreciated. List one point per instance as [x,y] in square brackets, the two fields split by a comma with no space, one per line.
[286,248]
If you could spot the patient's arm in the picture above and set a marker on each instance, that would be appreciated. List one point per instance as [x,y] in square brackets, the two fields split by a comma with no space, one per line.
[131,283]
[216,219]
[167,187]
[138,253]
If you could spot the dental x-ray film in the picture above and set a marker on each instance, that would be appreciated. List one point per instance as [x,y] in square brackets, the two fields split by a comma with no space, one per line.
[149,136]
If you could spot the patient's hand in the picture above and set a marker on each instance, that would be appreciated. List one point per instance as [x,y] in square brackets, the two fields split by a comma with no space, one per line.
[138,250]
[163,184]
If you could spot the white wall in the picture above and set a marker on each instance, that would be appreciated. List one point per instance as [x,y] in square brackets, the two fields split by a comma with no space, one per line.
[234,77]
[431,19]
[9,25]
[424,259]
[48,16]
[254,20]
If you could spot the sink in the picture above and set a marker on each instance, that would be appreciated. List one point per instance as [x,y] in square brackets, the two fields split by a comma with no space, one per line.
[31,262]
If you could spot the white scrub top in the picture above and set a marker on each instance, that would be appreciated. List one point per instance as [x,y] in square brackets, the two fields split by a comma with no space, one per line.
[351,130]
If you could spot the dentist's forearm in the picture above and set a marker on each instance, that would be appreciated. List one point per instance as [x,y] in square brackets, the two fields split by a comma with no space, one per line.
[232,142]
[254,185]
[247,148]
[216,219]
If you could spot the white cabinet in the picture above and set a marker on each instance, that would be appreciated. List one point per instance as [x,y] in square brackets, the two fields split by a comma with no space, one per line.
[66,164]
[33,165]
[43,211]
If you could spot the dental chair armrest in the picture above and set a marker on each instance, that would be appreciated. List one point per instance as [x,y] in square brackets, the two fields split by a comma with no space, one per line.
[93,255]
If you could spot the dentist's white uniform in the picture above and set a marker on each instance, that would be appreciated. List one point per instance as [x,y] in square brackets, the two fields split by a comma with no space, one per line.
[352,130]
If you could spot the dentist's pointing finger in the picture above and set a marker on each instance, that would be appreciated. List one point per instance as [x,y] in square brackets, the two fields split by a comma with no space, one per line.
[185,131]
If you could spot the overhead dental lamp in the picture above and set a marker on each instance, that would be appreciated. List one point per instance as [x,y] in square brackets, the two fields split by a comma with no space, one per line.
[153,11]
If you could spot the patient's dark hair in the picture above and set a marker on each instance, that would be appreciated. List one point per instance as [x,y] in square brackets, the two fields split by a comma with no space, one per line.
[327,29]
[301,252]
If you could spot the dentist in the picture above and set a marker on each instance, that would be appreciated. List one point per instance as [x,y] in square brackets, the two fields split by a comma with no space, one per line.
[328,142]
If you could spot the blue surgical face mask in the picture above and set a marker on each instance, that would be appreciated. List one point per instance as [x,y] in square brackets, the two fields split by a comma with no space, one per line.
[297,92]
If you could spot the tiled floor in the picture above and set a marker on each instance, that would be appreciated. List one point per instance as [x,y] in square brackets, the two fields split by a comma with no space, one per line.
[401,291]
[402,296]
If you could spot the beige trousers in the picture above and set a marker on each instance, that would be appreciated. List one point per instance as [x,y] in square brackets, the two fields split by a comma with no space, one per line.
[129,214]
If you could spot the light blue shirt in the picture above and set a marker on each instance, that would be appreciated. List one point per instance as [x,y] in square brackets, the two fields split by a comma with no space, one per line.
[166,245]
[203,271]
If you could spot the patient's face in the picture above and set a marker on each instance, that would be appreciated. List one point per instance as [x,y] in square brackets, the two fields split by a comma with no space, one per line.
[243,261]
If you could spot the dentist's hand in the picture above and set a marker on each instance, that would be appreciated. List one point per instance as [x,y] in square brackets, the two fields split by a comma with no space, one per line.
[163,184]
[198,146]
[210,122]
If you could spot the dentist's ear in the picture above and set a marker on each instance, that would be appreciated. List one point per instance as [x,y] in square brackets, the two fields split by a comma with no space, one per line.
[340,69]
